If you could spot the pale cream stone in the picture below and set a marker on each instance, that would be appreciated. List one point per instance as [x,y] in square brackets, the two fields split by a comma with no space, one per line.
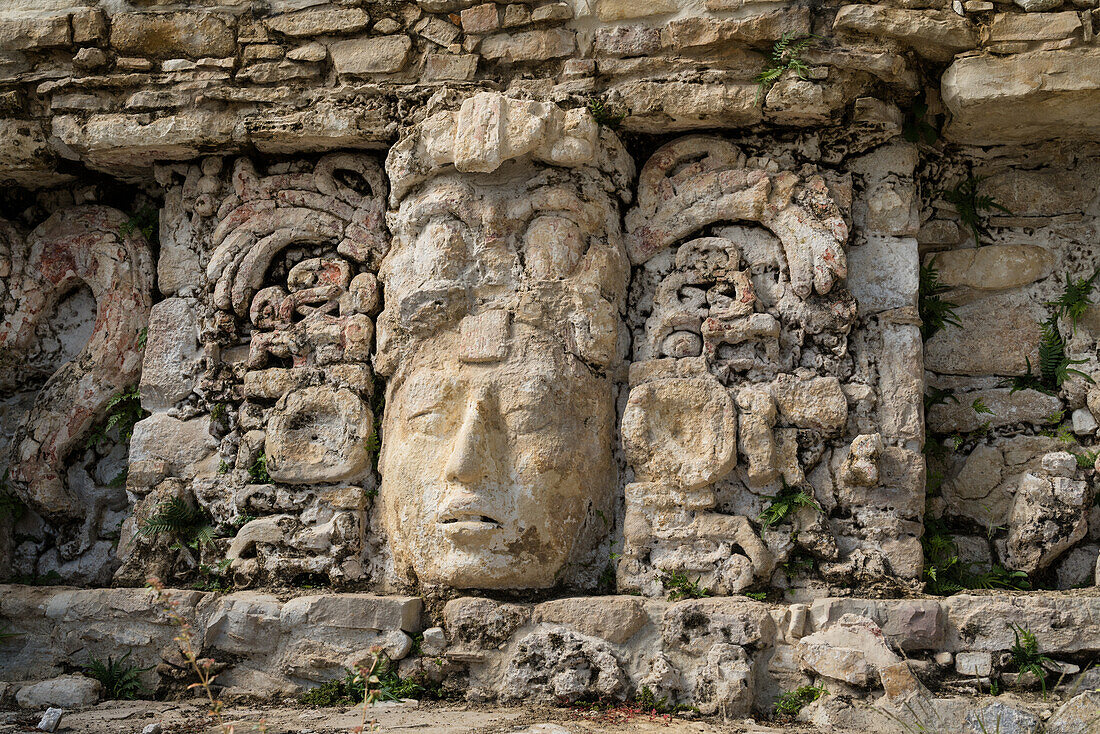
[993,267]
[682,431]
[623,9]
[502,298]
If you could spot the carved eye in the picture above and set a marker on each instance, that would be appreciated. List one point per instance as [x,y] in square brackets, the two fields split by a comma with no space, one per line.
[428,422]
[528,419]
[553,246]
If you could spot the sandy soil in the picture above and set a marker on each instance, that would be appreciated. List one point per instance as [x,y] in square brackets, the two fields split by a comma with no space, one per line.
[131,717]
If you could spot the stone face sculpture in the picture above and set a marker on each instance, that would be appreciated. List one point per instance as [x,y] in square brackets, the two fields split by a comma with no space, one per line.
[502,321]
[81,246]
[736,385]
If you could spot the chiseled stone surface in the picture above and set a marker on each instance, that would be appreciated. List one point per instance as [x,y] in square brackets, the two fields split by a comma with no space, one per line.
[464,369]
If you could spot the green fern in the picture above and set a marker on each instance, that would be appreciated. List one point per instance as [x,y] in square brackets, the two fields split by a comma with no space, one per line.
[936,396]
[123,412]
[1026,655]
[970,205]
[257,473]
[783,504]
[604,113]
[121,682]
[791,702]
[785,55]
[1074,300]
[179,520]
[935,313]
[1054,366]
[679,586]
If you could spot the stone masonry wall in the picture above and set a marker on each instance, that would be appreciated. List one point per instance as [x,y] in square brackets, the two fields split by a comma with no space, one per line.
[511,323]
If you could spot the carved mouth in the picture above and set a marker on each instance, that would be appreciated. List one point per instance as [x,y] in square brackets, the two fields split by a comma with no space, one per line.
[467,526]
[468,518]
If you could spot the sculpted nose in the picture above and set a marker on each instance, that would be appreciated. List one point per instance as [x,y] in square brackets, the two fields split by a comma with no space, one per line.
[469,459]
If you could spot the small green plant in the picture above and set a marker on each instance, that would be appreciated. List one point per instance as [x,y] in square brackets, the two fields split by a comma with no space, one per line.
[143,337]
[257,473]
[935,313]
[936,396]
[980,407]
[679,586]
[1074,300]
[757,595]
[346,691]
[604,113]
[970,205]
[214,576]
[1086,459]
[1026,656]
[387,685]
[789,500]
[223,467]
[219,413]
[121,680]
[799,562]
[179,520]
[999,577]
[786,55]
[943,571]
[790,703]
[1054,366]
[120,478]
[145,220]
[123,412]
[917,124]
[649,703]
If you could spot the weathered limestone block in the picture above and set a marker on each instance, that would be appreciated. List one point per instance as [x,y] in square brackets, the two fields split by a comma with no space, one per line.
[475,622]
[908,624]
[169,35]
[377,55]
[1022,97]
[1064,624]
[884,273]
[245,623]
[852,650]
[555,664]
[1033,27]
[815,403]
[171,354]
[614,618]
[353,612]
[994,267]
[682,431]
[1049,515]
[997,336]
[724,682]
[318,22]
[693,627]
[668,106]
[26,157]
[31,30]
[67,691]
[935,34]
[529,45]
[181,444]
[1003,718]
[318,435]
[1076,715]
[623,9]
[692,34]
[1008,408]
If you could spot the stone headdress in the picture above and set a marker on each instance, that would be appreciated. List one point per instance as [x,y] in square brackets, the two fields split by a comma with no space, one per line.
[537,161]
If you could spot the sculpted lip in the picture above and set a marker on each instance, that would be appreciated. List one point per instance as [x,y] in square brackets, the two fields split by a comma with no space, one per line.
[467,525]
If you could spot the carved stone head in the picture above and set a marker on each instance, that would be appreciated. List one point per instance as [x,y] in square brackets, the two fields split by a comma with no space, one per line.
[503,296]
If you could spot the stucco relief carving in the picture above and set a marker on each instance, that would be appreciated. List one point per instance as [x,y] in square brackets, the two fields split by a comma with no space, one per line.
[288,252]
[86,246]
[504,288]
[735,386]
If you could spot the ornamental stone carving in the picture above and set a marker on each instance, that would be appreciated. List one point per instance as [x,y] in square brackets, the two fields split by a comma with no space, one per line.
[504,288]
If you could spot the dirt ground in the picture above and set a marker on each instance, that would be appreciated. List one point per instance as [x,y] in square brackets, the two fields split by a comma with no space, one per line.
[131,717]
